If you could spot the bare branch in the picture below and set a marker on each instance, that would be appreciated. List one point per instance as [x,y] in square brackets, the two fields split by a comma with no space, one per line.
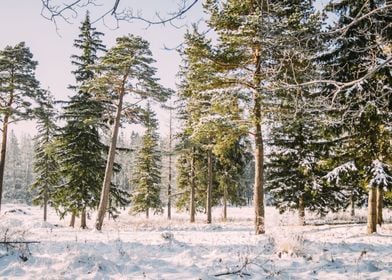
[66,12]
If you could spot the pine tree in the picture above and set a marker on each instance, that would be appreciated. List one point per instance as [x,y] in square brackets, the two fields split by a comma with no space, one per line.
[361,117]
[213,127]
[19,89]
[191,163]
[46,166]
[147,175]
[80,149]
[243,60]
[125,70]
[13,188]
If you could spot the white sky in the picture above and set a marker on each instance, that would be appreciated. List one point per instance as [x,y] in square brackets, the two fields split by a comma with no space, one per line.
[21,20]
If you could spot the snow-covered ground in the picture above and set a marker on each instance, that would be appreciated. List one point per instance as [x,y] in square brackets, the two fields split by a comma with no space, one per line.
[134,248]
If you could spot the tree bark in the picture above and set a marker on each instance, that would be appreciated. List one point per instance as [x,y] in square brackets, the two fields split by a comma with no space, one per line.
[225,203]
[83,220]
[45,203]
[169,188]
[259,151]
[72,221]
[380,204]
[192,206]
[103,203]
[209,187]
[2,154]
[352,205]
[301,210]
[372,211]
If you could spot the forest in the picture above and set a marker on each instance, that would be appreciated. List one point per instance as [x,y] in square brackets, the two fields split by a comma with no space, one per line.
[281,107]
[278,104]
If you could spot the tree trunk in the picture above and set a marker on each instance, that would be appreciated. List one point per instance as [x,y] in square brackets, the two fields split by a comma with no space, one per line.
[192,206]
[72,222]
[147,213]
[372,211]
[83,223]
[169,188]
[352,205]
[2,154]
[103,203]
[380,204]
[225,203]
[259,151]
[209,188]
[301,210]
[45,203]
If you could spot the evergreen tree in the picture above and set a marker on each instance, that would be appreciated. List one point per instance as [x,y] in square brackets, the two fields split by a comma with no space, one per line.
[80,149]
[242,56]
[46,166]
[17,173]
[212,128]
[13,187]
[125,70]
[360,121]
[147,175]
[191,164]
[19,89]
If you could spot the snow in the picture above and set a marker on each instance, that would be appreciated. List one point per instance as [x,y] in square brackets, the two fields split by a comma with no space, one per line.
[135,248]
[342,169]
[379,174]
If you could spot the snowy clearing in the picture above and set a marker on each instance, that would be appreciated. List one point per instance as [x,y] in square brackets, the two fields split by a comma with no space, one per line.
[134,248]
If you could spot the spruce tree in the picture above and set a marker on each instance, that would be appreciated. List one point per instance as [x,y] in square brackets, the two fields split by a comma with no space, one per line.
[80,149]
[147,176]
[361,116]
[46,167]
[19,89]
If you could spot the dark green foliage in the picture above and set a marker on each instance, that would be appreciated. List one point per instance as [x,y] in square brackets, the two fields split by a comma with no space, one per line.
[18,85]
[211,122]
[360,116]
[46,167]
[80,150]
[19,89]
[147,176]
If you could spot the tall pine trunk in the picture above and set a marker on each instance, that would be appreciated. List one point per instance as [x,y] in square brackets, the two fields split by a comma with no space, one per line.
[192,204]
[301,210]
[103,203]
[258,198]
[2,154]
[372,211]
[209,187]
[380,204]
